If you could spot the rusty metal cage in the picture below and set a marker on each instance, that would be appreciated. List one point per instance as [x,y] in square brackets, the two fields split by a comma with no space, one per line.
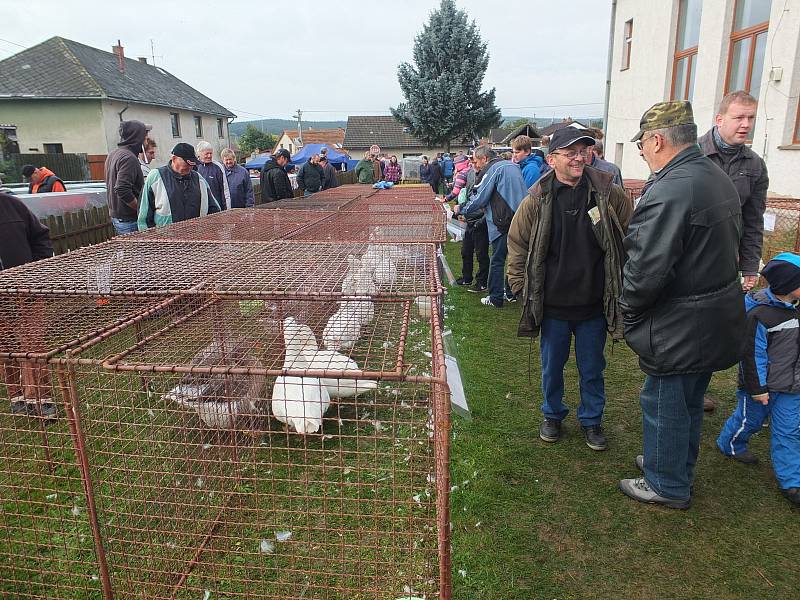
[369,226]
[781,227]
[183,462]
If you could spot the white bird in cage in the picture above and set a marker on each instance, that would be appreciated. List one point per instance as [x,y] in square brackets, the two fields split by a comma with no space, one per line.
[380,263]
[300,402]
[358,279]
[337,388]
[363,310]
[219,398]
[297,338]
[342,330]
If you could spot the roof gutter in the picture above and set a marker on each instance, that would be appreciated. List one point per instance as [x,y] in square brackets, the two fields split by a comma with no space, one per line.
[610,58]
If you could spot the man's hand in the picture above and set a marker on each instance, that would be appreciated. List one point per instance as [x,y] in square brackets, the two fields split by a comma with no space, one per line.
[762,398]
[749,282]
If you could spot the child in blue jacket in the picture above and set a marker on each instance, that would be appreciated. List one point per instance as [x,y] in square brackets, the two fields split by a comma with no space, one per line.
[769,375]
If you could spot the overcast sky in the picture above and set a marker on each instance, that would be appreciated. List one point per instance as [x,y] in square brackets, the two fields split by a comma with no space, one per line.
[333,59]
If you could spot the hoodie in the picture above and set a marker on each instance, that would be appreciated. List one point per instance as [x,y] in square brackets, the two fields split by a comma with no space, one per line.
[531,169]
[124,178]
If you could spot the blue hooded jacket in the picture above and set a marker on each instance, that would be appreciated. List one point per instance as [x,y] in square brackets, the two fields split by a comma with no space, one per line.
[504,177]
[531,169]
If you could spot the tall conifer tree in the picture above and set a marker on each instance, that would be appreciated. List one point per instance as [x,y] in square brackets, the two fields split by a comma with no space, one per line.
[443,87]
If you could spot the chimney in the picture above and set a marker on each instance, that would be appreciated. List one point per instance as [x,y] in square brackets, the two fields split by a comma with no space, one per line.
[143,59]
[120,52]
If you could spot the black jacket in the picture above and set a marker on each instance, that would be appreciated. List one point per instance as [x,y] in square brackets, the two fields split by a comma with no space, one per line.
[22,237]
[748,172]
[435,173]
[330,180]
[275,184]
[124,179]
[681,294]
[310,177]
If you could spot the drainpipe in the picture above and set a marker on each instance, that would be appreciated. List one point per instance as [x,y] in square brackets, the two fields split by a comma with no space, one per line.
[127,104]
[608,66]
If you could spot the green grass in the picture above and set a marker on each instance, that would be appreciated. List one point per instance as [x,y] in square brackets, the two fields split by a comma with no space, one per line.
[536,520]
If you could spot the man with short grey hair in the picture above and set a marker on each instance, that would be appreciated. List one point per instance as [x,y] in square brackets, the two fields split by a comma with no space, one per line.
[214,173]
[239,184]
[681,298]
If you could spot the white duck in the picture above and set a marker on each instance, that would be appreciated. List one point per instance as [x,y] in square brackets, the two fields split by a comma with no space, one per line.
[342,330]
[337,388]
[300,402]
[380,263]
[297,338]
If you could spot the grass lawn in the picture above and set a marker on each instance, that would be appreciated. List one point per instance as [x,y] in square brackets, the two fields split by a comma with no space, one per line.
[535,520]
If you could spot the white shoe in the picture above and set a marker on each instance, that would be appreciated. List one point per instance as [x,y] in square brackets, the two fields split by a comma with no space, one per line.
[487,301]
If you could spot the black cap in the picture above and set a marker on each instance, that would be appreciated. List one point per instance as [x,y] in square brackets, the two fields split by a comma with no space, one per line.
[27,170]
[185,151]
[323,157]
[783,273]
[284,153]
[566,136]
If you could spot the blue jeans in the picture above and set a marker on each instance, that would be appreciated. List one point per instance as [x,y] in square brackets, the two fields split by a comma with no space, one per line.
[672,421]
[123,227]
[498,284]
[748,418]
[590,342]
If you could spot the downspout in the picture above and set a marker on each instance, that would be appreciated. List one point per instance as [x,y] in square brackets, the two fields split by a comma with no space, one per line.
[127,104]
[610,58]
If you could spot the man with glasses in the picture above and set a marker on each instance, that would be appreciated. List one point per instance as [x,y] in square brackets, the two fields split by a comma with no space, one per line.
[175,192]
[565,257]
[681,297]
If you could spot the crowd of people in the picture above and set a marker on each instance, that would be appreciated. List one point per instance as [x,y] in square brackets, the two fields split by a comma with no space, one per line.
[673,273]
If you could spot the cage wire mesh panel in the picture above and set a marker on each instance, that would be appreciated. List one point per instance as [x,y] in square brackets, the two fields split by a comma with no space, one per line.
[46,540]
[781,227]
[204,482]
[240,225]
[397,227]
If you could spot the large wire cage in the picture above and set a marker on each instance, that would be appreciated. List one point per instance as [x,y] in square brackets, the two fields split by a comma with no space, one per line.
[255,418]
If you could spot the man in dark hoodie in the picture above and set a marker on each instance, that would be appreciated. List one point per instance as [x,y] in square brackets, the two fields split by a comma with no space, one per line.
[275,184]
[124,178]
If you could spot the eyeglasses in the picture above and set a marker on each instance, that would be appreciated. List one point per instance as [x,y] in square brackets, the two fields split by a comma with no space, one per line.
[641,142]
[573,154]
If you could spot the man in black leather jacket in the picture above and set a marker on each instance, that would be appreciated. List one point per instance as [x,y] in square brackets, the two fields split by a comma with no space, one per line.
[681,297]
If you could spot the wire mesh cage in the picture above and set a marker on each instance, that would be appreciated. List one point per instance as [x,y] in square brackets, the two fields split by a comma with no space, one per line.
[258,418]
[781,227]
[397,227]
[204,487]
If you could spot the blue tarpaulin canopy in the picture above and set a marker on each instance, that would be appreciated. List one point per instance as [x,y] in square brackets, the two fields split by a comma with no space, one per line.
[258,162]
[335,157]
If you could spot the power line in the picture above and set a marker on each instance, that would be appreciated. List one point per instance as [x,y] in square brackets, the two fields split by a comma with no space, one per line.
[12,43]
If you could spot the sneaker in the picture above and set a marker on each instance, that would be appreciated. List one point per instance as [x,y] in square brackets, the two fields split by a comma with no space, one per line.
[550,430]
[511,297]
[746,457]
[792,495]
[462,281]
[477,288]
[593,434]
[639,490]
[487,301]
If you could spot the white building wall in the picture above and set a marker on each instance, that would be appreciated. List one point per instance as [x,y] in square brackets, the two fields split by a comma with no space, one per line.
[159,118]
[649,80]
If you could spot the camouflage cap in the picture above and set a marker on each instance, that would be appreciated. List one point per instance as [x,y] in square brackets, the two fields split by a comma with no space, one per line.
[665,114]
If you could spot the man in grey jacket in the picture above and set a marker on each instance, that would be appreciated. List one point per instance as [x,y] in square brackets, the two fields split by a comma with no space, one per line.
[124,178]
[681,298]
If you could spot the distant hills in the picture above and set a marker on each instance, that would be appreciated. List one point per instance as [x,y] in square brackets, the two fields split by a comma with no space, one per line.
[278,126]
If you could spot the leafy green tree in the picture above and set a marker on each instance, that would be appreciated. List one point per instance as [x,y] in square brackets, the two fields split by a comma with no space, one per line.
[442,88]
[253,139]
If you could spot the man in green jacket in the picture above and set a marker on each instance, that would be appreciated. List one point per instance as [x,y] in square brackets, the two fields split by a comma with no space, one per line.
[365,170]
[565,257]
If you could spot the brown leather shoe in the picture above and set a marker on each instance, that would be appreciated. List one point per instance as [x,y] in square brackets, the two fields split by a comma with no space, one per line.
[709,404]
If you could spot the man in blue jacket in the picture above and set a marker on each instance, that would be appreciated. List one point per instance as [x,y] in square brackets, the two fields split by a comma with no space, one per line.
[500,190]
[531,164]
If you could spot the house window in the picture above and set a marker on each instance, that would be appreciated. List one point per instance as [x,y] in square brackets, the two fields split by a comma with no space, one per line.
[198,126]
[53,148]
[220,129]
[626,48]
[175,121]
[684,62]
[748,46]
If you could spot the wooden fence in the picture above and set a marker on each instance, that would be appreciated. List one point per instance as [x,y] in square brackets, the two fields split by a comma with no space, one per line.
[71,231]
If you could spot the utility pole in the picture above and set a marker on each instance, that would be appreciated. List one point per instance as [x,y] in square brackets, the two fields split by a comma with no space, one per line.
[152,52]
[299,117]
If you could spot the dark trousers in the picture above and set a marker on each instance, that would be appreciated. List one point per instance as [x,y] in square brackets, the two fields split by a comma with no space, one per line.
[498,283]
[476,241]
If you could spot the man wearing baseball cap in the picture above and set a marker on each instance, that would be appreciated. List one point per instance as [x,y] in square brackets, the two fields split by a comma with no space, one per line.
[565,257]
[275,183]
[681,298]
[175,192]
